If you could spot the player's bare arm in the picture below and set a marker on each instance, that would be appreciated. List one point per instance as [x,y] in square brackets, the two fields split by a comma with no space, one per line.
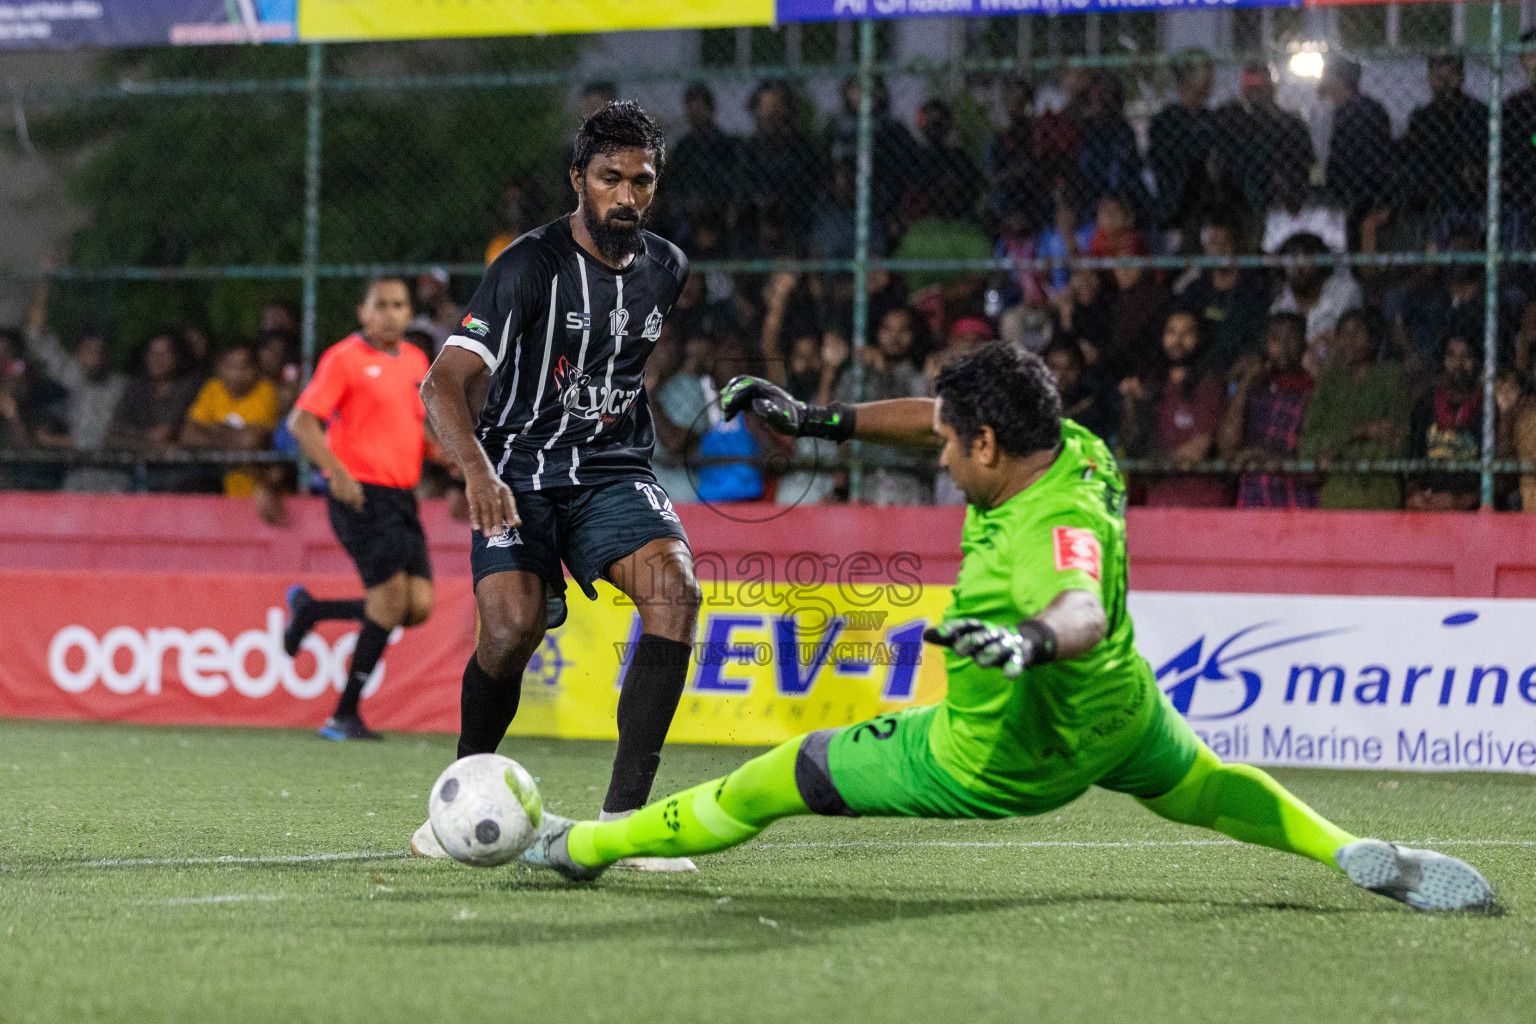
[901,422]
[445,392]
[310,433]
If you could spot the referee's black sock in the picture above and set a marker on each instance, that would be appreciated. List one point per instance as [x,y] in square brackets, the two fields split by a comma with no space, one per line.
[371,641]
[486,707]
[320,611]
[653,684]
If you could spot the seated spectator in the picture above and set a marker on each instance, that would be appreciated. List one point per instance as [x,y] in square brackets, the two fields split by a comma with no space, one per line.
[1017,180]
[16,393]
[892,148]
[1064,239]
[1359,412]
[939,165]
[1058,134]
[156,400]
[833,230]
[675,381]
[436,312]
[1444,153]
[813,370]
[1257,136]
[1318,296]
[1361,154]
[1084,312]
[777,168]
[893,368]
[277,359]
[1085,399]
[1519,162]
[1111,159]
[94,391]
[1231,303]
[1447,425]
[739,437]
[701,165]
[1136,316]
[1181,142]
[198,347]
[1174,413]
[1023,294]
[1448,302]
[275,316]
[1114,230]
[1516,432]
[1297,209]
[1265,415]
[945,231]
[235,411]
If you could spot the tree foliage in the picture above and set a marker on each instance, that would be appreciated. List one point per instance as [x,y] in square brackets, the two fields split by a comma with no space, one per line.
[408,175]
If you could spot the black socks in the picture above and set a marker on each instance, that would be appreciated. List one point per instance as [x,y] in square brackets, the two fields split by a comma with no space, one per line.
[320,611]
[486,707]
[653,684]
[370,648]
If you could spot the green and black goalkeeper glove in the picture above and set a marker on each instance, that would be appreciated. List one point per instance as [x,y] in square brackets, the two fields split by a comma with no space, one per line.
[783,412]
[1012,649]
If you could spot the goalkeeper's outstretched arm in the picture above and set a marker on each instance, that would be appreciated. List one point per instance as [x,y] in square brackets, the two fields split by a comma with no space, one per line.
[903,422]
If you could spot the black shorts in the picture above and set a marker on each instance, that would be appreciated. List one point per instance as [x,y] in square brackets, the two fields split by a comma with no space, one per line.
[385,537]
[587,528]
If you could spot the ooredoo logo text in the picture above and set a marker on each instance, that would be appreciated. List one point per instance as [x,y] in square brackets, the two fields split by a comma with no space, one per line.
[206,662]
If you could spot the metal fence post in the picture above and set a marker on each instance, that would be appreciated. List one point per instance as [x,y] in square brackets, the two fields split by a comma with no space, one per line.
[864,168]
[1491,252]
[311,256]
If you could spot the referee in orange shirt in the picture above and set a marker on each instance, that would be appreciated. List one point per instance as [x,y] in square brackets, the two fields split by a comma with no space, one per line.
[361,421]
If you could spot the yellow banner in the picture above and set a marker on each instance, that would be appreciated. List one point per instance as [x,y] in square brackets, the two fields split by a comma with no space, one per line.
[771,662]
[326,20]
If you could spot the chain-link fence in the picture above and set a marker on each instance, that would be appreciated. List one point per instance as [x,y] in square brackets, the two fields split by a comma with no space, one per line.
[1267,271]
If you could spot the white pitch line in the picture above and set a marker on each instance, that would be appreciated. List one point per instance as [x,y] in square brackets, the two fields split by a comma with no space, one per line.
[872,844]
[182,862]
[234,897]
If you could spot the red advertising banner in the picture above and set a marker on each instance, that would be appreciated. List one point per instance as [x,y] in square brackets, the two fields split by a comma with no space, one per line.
[201,649]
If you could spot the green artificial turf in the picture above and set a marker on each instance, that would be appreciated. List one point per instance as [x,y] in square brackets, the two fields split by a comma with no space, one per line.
[818,920]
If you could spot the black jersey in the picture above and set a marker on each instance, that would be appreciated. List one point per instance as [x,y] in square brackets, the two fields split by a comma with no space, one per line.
[566,339]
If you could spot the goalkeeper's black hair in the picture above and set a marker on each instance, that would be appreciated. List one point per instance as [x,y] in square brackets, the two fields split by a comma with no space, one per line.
[622,124]
[1005,387]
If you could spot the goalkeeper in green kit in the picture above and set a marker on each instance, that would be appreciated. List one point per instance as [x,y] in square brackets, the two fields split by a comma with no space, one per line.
[1047,695]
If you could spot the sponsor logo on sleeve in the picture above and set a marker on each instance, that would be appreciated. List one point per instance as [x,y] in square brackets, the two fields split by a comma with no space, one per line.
[1077,549]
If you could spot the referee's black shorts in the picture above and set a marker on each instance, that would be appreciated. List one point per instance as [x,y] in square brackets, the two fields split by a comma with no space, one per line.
[385,537]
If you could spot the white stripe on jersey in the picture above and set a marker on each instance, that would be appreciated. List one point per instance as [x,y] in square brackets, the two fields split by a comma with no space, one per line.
[501,353]
[540,471]
[538,397]
[575,461]
[618,340]
[581,356]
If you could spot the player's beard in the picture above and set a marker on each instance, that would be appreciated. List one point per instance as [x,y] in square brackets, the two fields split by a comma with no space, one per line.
[616,237]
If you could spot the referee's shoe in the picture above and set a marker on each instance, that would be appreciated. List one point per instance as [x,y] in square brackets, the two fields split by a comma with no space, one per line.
[348,727]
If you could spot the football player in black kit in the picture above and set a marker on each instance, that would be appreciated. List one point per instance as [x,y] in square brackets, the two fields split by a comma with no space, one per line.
[558,466]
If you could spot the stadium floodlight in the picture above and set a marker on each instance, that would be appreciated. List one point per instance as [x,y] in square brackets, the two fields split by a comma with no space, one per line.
[1308,61]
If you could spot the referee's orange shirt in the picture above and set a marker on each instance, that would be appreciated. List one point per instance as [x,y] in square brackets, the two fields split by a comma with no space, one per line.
[371,402]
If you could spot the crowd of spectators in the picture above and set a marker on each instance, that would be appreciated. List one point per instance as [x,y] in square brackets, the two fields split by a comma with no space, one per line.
[1315,360]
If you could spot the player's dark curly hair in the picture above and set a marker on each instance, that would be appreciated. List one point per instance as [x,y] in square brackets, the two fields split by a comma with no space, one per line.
[621,124]
[1007,388]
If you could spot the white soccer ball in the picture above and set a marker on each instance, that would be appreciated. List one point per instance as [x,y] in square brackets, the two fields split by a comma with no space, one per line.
[485,809]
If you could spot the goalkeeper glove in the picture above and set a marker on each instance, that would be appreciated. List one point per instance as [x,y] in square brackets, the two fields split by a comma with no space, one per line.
[783,412]
[1012,649]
